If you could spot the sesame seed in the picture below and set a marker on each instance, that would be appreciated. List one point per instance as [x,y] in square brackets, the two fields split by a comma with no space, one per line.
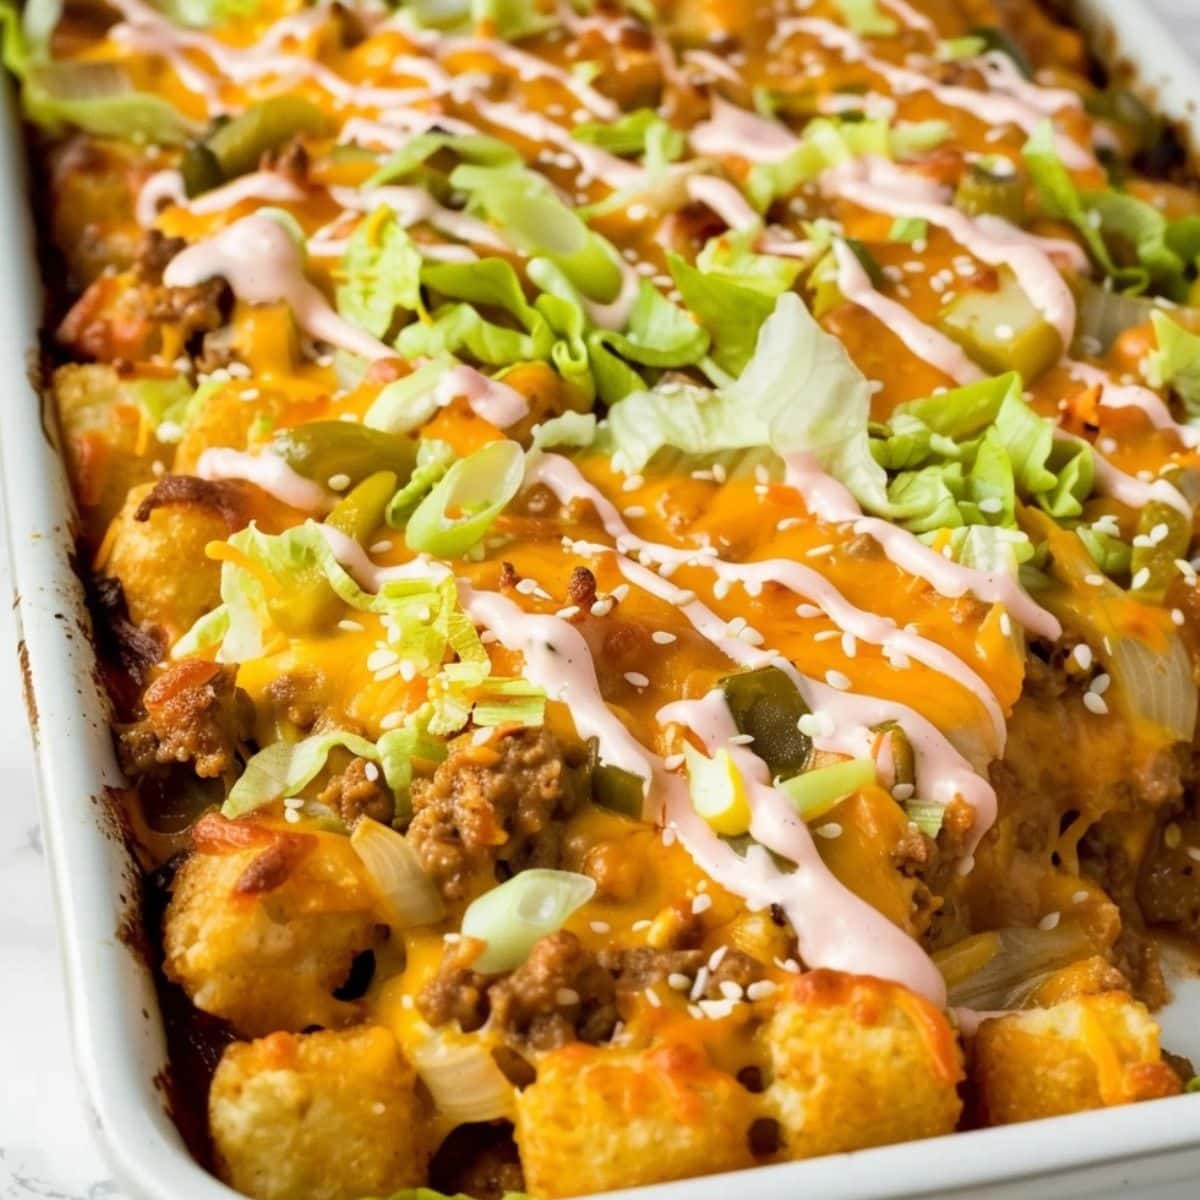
[903,791]
[741,739]
[601,608]
[715,1010]
[1100,684]
[641,926]
[634,511]
[1006,624]
[371,771]
[678,982]
[1093,580]
[636,679]
[1082,654]
[808,611]
[566,995]
[699,984]
[565,614]
[1177,617]
[652,998]
[599,926]
[818,551]
[716,957]
[829,831]
[661,637]
[349,626]
[339,482]
[527,586]
[382,546]
[1172,836]
[836,679]
[1140,579]
[731,990]
[760,989]
[826,635]
[1094,703]
[1050,921]
[815,724]
[701,903]
[1079,897]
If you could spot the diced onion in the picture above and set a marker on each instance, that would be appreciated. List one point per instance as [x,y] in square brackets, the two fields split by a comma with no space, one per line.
[814,793]
[463,1079]
[407,894]
[512,917]
[989,972]
[462,507]
[1157,685]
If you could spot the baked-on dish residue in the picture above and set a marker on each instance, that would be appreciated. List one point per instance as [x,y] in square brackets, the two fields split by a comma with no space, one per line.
[642,558]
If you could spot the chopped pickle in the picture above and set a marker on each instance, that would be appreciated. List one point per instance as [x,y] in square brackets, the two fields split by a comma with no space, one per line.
[1126,109]
[992,191]
[200,170]
[718,792]
[1002,330]
[995,38]
[324,450]
[309,606]
[904,770]
[766,705]
[1164,535]
[618,789]
[361,512]
[238,145]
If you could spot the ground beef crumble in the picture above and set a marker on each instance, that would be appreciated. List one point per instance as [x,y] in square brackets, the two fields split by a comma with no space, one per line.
[194,714]
[499,805]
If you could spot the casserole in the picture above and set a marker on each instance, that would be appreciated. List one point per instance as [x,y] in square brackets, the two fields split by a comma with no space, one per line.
[139,1165]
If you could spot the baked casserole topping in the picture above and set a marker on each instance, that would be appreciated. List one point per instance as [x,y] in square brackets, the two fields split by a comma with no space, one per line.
[641,555]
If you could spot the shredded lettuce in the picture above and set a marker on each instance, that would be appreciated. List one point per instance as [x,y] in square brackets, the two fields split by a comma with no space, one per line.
[94,96]
[641,132]
[203,13]
[434,458]
[570,429]
[381,272]
[733,257]
[867,19]
[1107,219]
[285,769]
[1176,362]
[474,148]
[828,142]
[508,19]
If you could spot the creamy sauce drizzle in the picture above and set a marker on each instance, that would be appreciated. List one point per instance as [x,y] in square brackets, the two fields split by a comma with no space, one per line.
[412,205]
[989,107]
[490,399]
[1121,395]
[880,186]
[263,265]
[166,187]
[834,928]
[927,343]
[267,471]
[831,501]
[568,484]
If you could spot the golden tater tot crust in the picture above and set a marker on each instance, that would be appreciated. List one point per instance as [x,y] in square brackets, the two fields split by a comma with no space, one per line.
[262,934]
[858,1062]
[1089,1052]
[319,1116]
[599,1119]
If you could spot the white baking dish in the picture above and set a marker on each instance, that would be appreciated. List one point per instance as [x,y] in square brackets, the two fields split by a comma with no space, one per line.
[117,1032]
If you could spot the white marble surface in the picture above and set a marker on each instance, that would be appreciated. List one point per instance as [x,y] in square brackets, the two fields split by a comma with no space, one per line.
[47,1150]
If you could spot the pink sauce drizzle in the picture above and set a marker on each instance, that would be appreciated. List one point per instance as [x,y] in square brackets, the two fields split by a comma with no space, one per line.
[732,132]
[881,186]
[1136,493]
[725,200]
[988,107]
[927,343]
[263,265]
[568,484]
[413,205]
[167,186]
[266,471]
[1120,395]
[831,501]
[1003,75]
[944,773]
[834,928]
[490,399]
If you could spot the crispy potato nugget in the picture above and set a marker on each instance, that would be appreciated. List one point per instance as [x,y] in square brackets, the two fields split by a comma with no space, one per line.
[262,934]
[159,558]
[857,1062]
[1088,1052]
[598,1119]
[319,1116]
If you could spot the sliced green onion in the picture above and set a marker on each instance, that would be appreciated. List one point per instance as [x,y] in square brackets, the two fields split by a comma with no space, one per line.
[817,792]
[464,1080]
[465,503]
[407,895]
[928,818]
[618,789]
[511,918]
